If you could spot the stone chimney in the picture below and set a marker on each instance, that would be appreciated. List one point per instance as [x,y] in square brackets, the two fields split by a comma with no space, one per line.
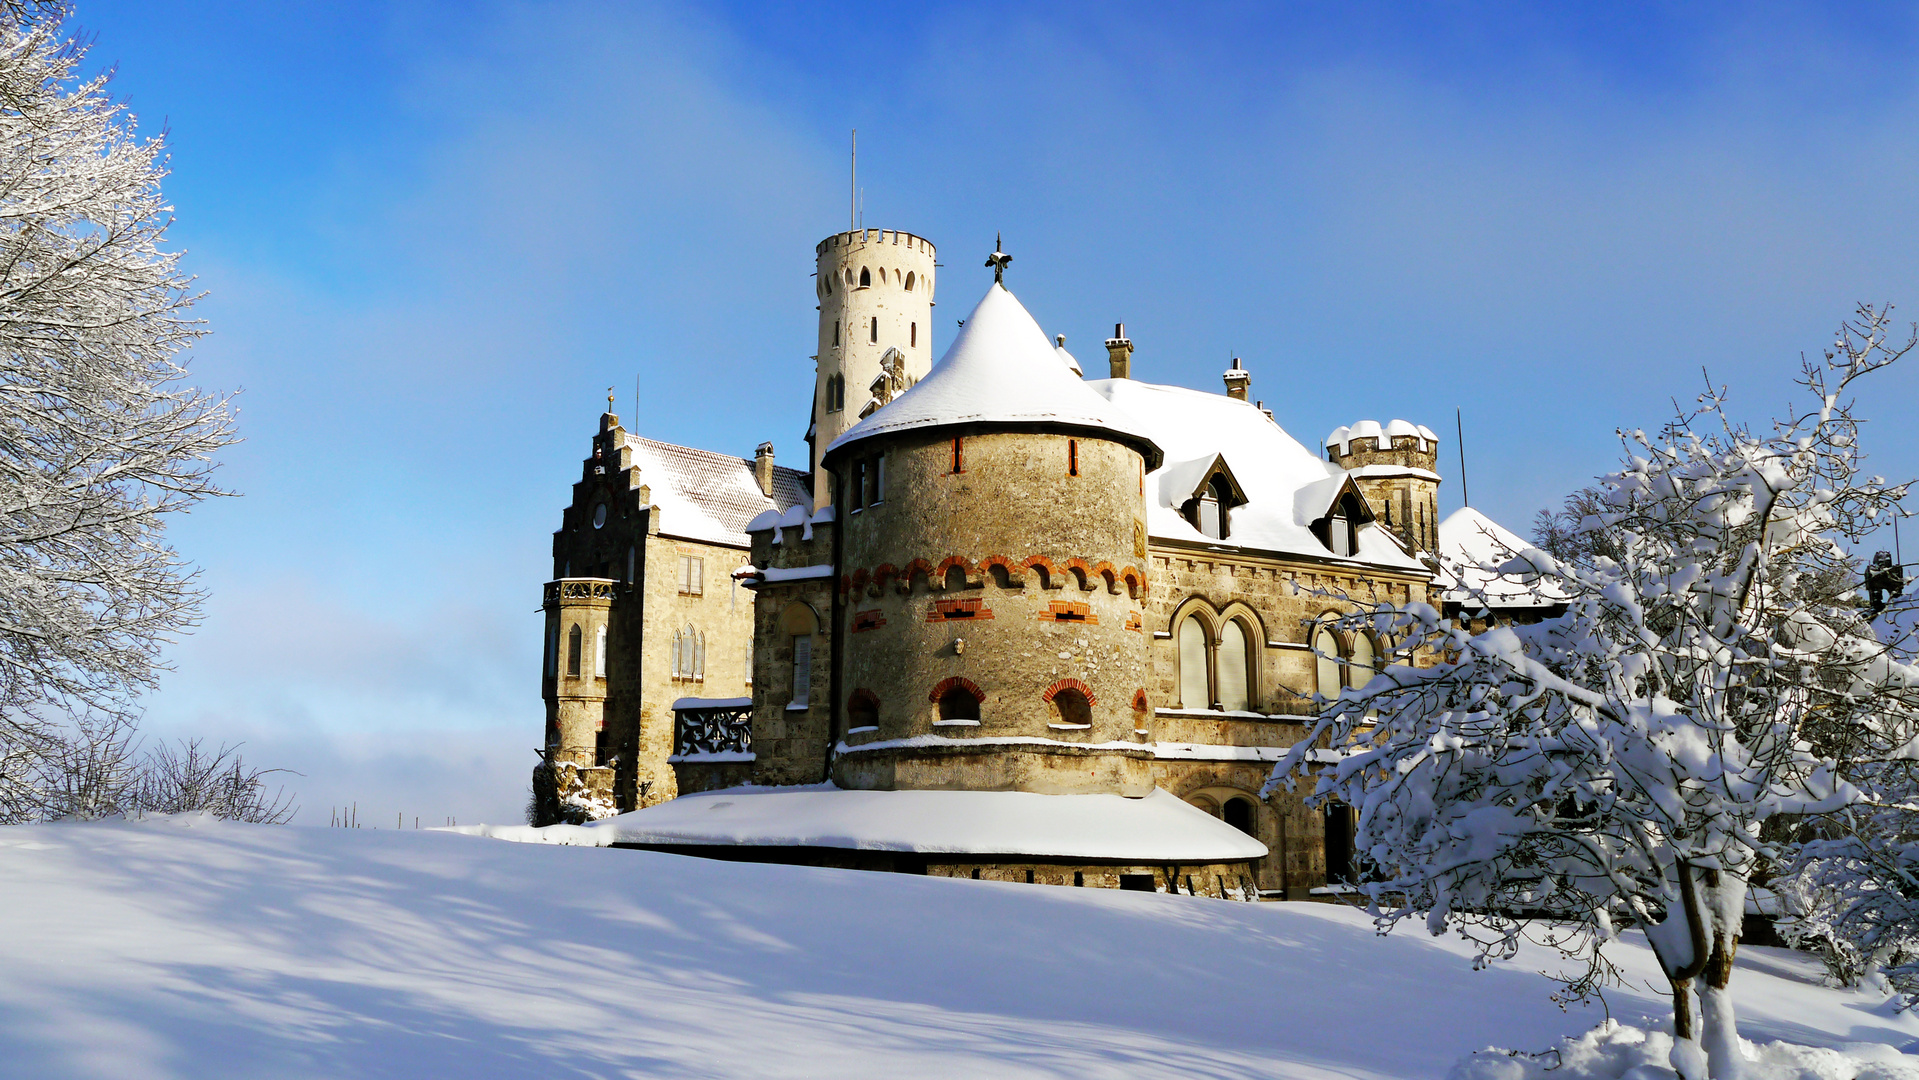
[1237,381]
[763,468]
[1119,352]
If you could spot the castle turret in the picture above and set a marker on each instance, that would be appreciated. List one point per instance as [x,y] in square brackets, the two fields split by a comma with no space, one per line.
[875,289]
[993,577]
[1396,468]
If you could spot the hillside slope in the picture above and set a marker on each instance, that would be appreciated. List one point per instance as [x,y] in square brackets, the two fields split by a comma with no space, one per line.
[190,948]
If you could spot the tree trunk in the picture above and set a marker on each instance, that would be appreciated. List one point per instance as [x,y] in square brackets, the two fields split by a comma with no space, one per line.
[1724,900]
[1681,942]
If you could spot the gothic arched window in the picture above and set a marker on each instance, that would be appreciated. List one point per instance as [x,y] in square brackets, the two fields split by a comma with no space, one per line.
[1327,664]
[866,278]
[599,653]
[573,652]
[1231,659]
[1195,692]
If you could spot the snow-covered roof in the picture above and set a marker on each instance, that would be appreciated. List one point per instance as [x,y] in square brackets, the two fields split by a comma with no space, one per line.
[1468,538]
[707,496]
[1065,357]
[1287,486]
[1382,437]
[1001,371]
[1160,828]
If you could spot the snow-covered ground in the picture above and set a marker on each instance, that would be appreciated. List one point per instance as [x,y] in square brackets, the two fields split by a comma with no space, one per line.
[189,948]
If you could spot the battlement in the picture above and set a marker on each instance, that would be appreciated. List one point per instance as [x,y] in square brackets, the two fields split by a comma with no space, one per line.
[1398,442]
[871,238]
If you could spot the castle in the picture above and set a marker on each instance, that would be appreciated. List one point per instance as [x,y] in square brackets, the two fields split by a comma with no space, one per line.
[1010,622]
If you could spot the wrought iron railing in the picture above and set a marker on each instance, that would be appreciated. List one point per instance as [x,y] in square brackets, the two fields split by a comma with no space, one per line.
[579,589]
[713,729]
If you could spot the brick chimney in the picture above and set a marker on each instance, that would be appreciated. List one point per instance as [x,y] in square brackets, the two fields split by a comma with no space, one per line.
[763,468]
[1119,352]
[1237,380]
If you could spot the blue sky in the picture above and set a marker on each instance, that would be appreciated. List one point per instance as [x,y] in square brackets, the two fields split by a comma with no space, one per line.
[432,235]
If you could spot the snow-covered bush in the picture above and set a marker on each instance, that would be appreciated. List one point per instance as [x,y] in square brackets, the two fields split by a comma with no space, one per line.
[1714,671]
[99,438]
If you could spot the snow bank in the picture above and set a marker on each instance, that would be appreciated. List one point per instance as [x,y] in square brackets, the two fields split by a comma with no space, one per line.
[1159,828]
[168,950]
[1614,1051]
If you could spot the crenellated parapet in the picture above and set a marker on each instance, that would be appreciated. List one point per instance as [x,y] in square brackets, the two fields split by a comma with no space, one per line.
[1396,467]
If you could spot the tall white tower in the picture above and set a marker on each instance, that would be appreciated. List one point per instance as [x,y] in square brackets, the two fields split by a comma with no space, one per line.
[875,288]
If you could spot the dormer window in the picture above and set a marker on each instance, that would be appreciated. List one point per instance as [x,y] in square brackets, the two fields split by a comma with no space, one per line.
[1210,509]
[1339,527]
[1339,533]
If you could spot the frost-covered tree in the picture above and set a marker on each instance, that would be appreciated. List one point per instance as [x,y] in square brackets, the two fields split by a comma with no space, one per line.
[1715,670]
[100,438]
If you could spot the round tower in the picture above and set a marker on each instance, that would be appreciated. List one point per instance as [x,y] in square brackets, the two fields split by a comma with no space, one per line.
[875,290]
[1396,468]
[993,577]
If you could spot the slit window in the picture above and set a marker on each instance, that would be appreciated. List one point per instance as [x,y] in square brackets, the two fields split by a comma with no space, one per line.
[599,653]
[959,459]
[1072,457]
[873,330]
[913,329]
[573,652]
[802,672]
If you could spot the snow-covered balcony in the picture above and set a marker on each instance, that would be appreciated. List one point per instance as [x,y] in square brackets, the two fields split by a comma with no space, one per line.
[712,742]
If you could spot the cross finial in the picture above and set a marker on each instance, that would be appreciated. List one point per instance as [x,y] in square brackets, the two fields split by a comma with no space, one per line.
[998,260]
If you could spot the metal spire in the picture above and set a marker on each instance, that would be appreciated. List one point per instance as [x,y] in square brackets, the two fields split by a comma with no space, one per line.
[998,260]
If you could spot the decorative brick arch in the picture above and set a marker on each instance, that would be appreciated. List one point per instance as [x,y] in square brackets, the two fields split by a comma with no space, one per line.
[938,580]
[846,584]
[1069,684]
[882,574]
[1014,571]
[863,701]
[859,579]
[1105,569]
[957,682]
[1048,573]
[1082,570]
[1140,703]
[916,568]
[1135,581]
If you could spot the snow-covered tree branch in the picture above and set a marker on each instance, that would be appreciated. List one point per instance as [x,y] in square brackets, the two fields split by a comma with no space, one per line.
[1715,669]
[100,438]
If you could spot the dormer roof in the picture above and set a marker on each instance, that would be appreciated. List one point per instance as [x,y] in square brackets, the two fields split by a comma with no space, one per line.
[1002,372]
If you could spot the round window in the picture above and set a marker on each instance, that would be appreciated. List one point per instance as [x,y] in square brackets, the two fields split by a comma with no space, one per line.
[599,516]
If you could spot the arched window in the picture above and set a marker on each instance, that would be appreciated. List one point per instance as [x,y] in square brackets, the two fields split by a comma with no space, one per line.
[866,278]
[849,275]
[1364,664]
[1233,695]
[1240,814]
[909,281]
[573,652]
[599,653]
[959,703]
[552,648]
[699,655]
[1326,667]
[1194,690]
[1073,708]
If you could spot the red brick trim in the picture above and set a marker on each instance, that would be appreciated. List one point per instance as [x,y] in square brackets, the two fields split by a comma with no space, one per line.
[1135,581]
[882,574]
[970,610]
[916,568]
[1048,573]
[957,682]
[863,695]
[1069,684]
[1139,701]
[870,619]
[1067,611]
[1082,570]
[1133,623]
[1014,571]
[1105,569]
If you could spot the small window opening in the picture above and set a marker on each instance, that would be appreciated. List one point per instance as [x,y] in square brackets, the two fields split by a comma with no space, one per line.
[866,277]
[1072,457]
[959,460]
[913,334]
[1136,882]
[873,330]
[1239,814]
[859,485]
[600,748]
[802,672]
[1073,707]
[863,711]
[909,281]
[879,479]
[573,641]
[836,331]
[959,704]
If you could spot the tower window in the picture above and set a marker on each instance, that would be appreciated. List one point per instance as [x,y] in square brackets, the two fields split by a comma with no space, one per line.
[909,281]
[836,331]
[879,479]
[866,277]
[599,653]
[873,330]
[573,652]
[802,672]
[1072,457]
[1073,708]
[959,460]
[912,332]
[959,704]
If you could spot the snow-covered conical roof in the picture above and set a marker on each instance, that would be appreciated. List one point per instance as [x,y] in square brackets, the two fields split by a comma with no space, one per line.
[1468,539]
[1001,372]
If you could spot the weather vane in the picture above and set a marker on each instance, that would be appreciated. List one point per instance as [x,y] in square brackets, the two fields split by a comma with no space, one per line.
[998,260]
